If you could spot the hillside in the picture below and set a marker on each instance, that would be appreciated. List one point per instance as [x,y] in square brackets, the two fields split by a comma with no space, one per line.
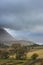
[5,36]
[39,52]
[22,42]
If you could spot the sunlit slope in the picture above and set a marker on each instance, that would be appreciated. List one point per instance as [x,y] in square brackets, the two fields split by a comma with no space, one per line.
[39,52]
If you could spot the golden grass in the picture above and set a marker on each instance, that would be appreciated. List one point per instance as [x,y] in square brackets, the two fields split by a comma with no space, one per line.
[39,52]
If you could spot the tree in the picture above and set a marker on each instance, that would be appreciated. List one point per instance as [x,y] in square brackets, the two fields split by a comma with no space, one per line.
[20,51]
[21,54]
[34,56]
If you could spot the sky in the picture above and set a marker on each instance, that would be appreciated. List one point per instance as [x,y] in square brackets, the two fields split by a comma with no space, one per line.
[23,19]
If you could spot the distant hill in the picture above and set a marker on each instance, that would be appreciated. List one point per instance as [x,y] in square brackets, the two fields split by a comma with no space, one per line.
[22,42]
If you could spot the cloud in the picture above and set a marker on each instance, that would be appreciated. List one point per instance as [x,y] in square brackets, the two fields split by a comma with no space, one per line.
[22,22]
[23,15]
[38,29]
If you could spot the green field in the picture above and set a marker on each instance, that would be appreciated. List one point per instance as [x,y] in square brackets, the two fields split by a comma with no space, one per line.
[18,62]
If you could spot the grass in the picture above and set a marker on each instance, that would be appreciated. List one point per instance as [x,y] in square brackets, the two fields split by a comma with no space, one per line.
[18,62]
[13,61]
[29,54]
[39,52]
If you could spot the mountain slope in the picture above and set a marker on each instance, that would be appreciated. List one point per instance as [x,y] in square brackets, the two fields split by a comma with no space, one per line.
[5,36]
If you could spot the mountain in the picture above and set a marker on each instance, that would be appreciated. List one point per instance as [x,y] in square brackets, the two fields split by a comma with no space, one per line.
[5,36]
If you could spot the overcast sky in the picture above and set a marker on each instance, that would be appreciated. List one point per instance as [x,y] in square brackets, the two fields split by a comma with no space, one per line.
[24,16]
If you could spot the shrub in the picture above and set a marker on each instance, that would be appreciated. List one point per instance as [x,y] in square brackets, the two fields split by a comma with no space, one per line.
[34,56]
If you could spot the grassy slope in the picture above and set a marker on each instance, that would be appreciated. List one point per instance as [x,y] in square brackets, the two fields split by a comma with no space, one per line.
[39,52]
